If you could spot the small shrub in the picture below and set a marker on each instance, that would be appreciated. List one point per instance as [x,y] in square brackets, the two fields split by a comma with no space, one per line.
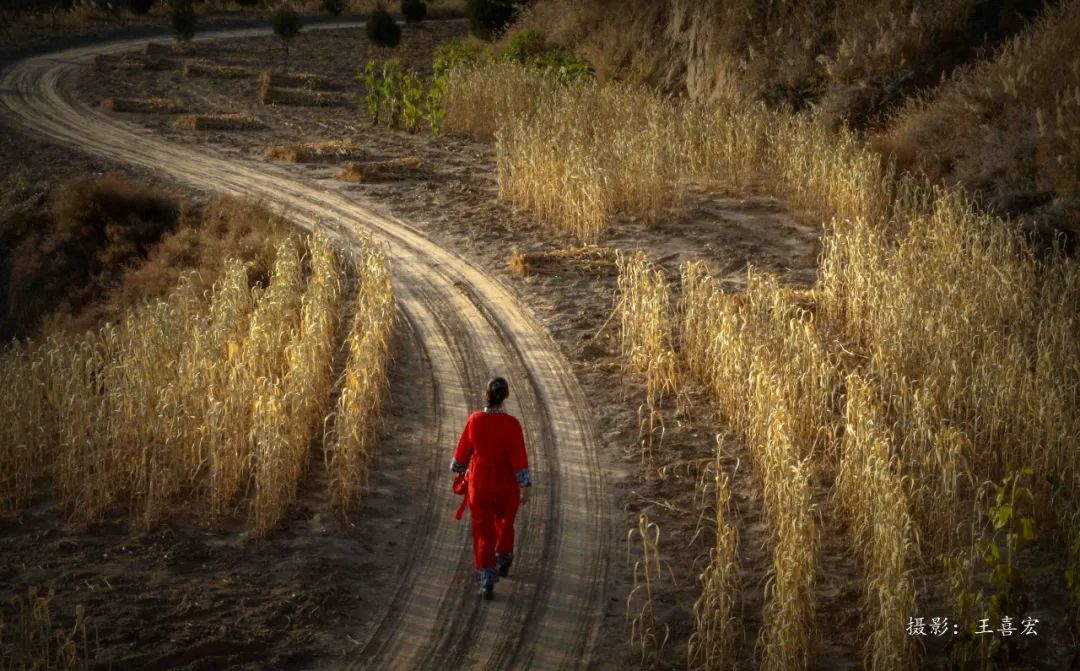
[335,7]
[140,7]
[488,18]
[413,10]
[565,66]
[183,20]
[75,247]
[382,30]
[286,24]
[532,48]
[461,54]
[525,46]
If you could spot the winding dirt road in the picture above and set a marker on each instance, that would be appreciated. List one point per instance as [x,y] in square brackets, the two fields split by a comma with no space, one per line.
[470,327]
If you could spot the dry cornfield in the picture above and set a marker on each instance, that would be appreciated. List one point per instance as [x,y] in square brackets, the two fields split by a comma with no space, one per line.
[778,365]
[964,333]
[644,311]
[349,444]
[716,623]
[218,400]
[902,373]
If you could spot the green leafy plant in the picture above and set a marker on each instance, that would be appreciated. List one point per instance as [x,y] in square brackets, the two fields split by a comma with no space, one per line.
[968,605]
[412,101]
[391,91]
[413,10]
[286,24]
[525,45]
[460,54]
[373,84]
[433,107]
[183,20]
[531,48]
[565,66]
[382,30]
[1012,531]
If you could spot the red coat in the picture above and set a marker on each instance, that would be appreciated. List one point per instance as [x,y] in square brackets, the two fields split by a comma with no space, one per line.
[493,446]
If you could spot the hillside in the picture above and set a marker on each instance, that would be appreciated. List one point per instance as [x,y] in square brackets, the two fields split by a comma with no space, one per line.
[982,93]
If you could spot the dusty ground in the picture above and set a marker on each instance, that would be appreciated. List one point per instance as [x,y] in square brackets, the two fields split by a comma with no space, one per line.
[453,201]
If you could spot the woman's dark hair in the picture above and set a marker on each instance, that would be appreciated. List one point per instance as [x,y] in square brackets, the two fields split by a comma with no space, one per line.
[497,391]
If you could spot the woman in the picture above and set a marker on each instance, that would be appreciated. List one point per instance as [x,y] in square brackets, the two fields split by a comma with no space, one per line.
[491,452]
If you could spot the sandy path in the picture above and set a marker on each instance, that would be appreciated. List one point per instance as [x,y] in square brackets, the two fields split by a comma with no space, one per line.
[470,327]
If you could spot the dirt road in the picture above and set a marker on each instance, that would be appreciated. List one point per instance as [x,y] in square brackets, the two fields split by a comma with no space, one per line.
[471,327]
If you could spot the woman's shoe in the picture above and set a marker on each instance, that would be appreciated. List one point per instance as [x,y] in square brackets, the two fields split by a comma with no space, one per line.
[487,592]
[504,562]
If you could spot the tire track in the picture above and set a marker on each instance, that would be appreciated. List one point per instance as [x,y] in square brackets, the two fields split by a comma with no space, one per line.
[469,327]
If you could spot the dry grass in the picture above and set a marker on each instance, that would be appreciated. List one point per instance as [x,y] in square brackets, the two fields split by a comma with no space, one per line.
[761,359]
[970,376]
[199,68]
[234,121]
[349,445]
[644,311]
[31,639]
[647,634]
[937,348]
[368,171]
[142,105]
[716,623]
[315,152]
[871,489]
[480,101]
[197,397]
[1005,127]
[588,152]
